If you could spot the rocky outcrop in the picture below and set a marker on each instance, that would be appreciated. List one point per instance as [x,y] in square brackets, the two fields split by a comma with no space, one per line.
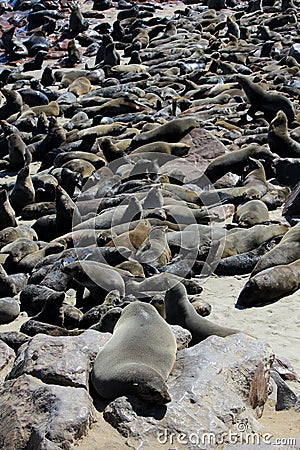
[210,387]
[35,415]
[64,360]
[7,357]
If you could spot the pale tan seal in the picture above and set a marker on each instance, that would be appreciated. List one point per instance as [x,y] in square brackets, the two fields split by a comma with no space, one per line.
[138,358]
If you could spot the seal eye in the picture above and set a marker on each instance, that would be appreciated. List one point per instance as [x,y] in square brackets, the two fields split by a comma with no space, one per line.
[135,384]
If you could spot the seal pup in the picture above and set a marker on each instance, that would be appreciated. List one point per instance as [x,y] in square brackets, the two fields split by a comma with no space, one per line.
[279,140]
[138,358]
[23,192]
[179,311]
[251,213]
[7,214]
[270,284]
[261,100]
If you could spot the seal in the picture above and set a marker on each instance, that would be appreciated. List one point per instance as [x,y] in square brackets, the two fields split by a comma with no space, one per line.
[18,153]
[244,262]
[108,321]
[138,358]
[236,161]
[179,311]
[132,238]
[171,131]
[13,104]
[23,192]
[80,86]
[279,140]
[10,234]
[251,213]
[52,312]
[246,240]
[270,284]
[168,148]
[97,277]
[264,101]
[11,285]
[155,249]
[285,252]
[7,214]
[17,250]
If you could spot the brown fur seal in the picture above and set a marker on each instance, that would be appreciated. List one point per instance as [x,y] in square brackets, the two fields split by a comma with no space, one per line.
[270,284]
[279,139]
[16,251]
[246,240]
[179,311]
[7,214]
[96,277]
[11,285]
[23,192]
[251,213]
[235,161]
[176,149]
[18,153]
[10,234]
[52,109]
[171,131]
[155,249]
[80,86]
[138,358]
[132,238]
[14,103]
[285,252]
[261,100]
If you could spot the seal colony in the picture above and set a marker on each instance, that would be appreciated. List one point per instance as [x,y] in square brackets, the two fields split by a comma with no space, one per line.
[91,115]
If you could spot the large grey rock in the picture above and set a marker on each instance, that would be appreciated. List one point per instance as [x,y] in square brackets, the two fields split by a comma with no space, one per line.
[210,388]
[7,357]
[64,360]
[9,309]
[34,415]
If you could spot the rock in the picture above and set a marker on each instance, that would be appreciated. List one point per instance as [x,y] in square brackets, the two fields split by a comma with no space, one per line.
[7,357]
[63,360]
[14,339]
[9,309]
[35,415]
[183,337]
[286,398]
[203,148]
[210,387]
